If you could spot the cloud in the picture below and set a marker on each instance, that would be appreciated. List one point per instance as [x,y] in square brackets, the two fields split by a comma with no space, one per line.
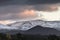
[11,11]
[16,9]
[28,2]
[6,22]
[20,11]
[34,2]
[27,14]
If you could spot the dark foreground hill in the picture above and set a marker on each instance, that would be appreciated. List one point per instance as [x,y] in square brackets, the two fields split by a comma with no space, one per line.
[36,33]
[39,30]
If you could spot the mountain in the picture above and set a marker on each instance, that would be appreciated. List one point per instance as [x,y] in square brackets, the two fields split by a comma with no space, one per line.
[36,30]
[39,30]
[31,28]
[8,29]
[5,27]
[26,25]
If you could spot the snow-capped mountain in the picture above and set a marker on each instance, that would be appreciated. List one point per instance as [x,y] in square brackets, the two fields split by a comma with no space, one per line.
[26,25]
[6,27]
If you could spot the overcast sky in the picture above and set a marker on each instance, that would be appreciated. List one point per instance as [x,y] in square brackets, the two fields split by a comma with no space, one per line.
[13,9]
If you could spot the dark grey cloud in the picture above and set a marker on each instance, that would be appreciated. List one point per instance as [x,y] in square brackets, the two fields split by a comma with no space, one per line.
[34,2]
[10,8]
[11,11]
[12,2]
[27,2]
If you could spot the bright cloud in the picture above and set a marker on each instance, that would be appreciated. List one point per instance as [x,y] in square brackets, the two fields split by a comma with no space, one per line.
[49,16]
[27,14]
[6,22]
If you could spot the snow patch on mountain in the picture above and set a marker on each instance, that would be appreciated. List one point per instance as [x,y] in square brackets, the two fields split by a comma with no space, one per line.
[26,25]
[6,27]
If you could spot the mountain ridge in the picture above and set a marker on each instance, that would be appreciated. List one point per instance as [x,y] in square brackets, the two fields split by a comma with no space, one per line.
[33,23]
[39,30]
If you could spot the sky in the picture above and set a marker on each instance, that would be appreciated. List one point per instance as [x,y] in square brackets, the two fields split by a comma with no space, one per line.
[13,10]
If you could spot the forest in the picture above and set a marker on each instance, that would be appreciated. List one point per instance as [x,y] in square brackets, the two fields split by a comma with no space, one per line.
[28,37]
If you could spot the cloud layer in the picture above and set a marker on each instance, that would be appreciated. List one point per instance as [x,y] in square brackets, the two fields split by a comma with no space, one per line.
[18,9]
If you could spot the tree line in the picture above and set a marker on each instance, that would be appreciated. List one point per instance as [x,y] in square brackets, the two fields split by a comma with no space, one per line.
[28,37]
